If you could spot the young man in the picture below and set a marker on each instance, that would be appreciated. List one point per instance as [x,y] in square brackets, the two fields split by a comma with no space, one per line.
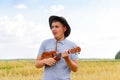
[58,70]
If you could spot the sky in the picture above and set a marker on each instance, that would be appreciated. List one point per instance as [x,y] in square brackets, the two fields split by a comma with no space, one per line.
[24,26]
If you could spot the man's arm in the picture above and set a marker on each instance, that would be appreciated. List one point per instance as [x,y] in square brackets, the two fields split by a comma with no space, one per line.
[39,63]
[73,64]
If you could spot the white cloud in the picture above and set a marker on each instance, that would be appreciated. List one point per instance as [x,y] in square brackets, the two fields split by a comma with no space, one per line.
[21,37]
[14,26]
[56,8]
[20,6]
[19,17]
[22,28]
[96,31]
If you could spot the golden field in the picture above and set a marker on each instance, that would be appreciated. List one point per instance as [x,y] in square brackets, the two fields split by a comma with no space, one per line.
[88,70]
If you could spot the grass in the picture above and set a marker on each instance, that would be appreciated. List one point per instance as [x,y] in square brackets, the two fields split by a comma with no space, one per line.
[88,70]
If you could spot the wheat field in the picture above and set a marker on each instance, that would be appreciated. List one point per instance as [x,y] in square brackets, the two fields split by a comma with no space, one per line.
[88,70]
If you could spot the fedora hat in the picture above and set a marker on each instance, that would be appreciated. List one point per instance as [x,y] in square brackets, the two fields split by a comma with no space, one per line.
[63,21]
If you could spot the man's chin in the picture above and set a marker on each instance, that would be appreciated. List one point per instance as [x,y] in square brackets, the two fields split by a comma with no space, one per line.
[56,37]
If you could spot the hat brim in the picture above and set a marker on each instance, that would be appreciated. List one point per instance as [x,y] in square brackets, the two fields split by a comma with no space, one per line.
[63,21]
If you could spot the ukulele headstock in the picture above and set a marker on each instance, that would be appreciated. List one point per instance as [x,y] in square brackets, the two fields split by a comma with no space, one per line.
[74,50]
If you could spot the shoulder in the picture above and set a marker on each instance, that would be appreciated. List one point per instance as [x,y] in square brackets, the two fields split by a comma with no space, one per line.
[46,41]
[71,43]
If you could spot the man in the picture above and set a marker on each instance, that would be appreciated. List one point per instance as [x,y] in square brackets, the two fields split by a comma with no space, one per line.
[58,70]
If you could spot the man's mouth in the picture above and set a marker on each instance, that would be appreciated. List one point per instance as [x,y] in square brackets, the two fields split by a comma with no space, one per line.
[54,33]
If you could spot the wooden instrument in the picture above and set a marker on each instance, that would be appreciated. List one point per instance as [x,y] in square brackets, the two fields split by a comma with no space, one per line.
[56,56]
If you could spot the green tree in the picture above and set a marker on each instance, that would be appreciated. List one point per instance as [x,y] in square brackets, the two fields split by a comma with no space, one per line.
[117,55]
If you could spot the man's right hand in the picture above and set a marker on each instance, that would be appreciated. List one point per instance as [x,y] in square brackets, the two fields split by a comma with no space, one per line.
[49,61]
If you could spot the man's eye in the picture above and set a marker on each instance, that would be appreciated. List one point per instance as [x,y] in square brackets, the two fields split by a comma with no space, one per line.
[56,26]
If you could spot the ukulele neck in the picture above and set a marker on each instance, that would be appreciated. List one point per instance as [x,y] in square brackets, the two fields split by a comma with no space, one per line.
[60,54]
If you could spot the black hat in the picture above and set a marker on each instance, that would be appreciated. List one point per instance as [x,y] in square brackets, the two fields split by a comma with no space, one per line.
[63,21]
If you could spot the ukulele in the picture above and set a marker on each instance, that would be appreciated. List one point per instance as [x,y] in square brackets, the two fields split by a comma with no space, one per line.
[57,56]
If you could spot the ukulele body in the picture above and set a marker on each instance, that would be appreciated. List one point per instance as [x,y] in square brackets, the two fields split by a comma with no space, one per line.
[50,54]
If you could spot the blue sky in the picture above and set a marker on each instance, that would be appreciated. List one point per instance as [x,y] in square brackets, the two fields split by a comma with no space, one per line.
[94,23]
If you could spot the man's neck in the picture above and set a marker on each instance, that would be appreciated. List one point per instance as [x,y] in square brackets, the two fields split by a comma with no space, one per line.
[60,39]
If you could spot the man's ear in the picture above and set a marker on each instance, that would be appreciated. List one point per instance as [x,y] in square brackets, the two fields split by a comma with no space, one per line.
[65,28]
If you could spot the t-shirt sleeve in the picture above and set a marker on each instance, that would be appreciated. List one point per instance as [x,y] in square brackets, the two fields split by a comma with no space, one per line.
[41,49]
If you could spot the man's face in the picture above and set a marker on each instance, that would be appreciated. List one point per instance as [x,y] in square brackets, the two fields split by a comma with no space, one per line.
[58,29]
